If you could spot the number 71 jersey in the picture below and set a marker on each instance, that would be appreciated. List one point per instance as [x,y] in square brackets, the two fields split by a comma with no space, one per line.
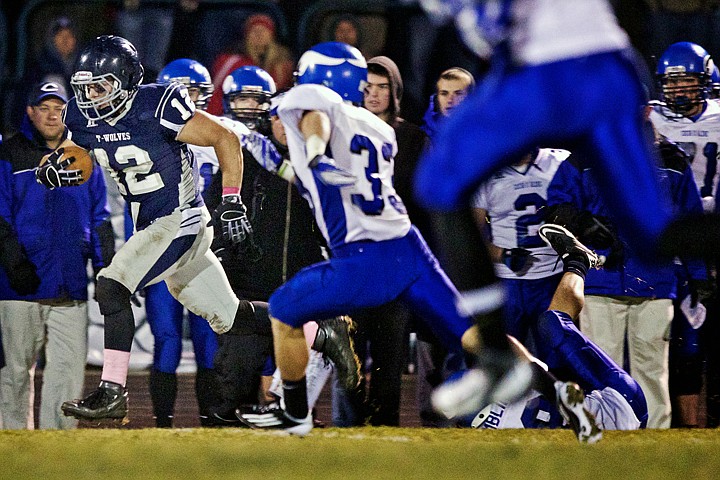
[361,144]
[699,138]
[155,173]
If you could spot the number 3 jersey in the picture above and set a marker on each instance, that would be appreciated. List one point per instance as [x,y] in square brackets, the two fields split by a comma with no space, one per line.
[155,173]
[699,138]
[361,144]
[513,198]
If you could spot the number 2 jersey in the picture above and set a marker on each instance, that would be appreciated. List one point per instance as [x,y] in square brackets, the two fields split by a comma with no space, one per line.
[155,173]
[699,138]
[513,198]
[361,144]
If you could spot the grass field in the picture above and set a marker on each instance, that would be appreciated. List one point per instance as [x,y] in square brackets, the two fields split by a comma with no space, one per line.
[362,453]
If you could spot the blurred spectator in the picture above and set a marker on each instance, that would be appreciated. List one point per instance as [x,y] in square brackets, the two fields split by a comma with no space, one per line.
[149,29]
[434,363]
[185,30]
[57,58]
[258,47]
[46,240]
[671,21]
[346,28]
[451,89]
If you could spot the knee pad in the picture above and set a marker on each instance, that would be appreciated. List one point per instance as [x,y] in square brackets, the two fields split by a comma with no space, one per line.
[111,295]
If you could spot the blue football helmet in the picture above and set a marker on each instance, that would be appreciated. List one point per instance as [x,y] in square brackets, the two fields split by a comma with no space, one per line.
[193,75]
[107,75]
[689,64]
[336,65]
[249,83]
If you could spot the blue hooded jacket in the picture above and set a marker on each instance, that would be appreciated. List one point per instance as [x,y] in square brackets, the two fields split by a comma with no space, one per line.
[58,230]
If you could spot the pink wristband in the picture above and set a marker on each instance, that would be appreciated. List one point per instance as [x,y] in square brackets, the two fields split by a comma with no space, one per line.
[231,191]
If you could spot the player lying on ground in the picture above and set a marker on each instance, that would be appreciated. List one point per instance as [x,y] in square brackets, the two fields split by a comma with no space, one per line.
[615,399]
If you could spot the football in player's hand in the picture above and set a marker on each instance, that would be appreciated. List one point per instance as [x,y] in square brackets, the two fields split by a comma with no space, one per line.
[79,158]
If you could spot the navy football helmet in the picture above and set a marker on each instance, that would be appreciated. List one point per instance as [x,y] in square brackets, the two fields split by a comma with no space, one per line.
[249,83]
[684,71]
[193,75]
[107,75]
[336,65]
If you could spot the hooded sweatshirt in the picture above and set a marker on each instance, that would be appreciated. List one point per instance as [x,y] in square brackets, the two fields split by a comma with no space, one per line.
[412,142]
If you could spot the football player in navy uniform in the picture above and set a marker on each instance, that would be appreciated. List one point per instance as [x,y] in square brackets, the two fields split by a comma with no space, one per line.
[377,254]
[164,313]
[139,133]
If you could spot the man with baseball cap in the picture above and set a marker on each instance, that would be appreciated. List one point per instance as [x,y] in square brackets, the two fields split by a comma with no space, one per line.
[46,240]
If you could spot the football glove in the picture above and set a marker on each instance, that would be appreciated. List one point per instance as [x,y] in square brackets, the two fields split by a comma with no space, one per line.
[52,173]
[325,170]
[516,259]
[23,278]
[231,216]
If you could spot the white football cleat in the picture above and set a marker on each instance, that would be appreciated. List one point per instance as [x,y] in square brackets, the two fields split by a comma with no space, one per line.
[570,400]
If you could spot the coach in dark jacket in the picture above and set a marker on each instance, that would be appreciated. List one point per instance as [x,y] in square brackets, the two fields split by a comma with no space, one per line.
[47,238]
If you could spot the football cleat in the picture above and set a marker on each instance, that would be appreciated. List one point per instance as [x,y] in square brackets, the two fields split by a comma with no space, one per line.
[570,400]
[479,387]
[275,418]
[334,342]
[109,400]
[566,245]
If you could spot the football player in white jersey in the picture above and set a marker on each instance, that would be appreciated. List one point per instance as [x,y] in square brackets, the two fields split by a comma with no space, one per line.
[687,116]
[343,161]
[507,208]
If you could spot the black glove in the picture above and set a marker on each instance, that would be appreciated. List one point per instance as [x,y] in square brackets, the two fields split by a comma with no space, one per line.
[232,219]
[52,173]
[23,278]
[516,259]
[701,291]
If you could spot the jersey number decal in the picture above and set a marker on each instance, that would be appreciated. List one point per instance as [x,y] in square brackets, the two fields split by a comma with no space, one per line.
[532,219]
[187,109]
[135,179]
[358,144]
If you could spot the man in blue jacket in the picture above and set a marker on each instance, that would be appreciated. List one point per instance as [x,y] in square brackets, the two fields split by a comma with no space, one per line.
[46,239]
[628,301]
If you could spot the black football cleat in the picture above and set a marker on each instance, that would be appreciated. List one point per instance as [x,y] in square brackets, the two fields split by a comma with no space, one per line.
[275,418]
[334,342]
[567,246]
[109,400]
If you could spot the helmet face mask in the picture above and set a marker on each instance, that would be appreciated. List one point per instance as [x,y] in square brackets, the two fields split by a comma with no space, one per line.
[683,92]
[106,78]
[98,97]
[337,66]
[246,97]
[193,75]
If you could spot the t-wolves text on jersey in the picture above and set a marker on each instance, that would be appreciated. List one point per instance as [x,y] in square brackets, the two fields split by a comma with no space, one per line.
[155,173]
